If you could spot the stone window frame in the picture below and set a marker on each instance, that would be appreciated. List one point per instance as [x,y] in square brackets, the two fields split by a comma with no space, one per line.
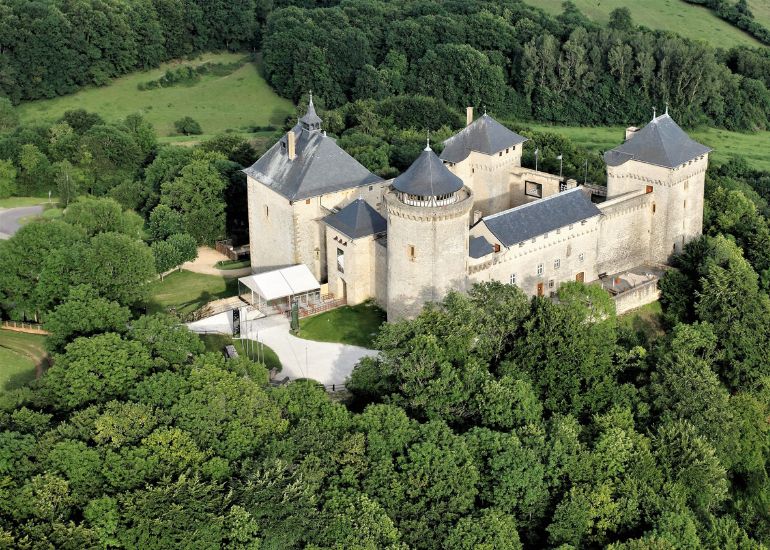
[540,269]
[557,263]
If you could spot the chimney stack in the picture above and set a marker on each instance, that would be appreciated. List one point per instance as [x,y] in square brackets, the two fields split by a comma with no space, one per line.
[468,115]
[630,131]
[291,144]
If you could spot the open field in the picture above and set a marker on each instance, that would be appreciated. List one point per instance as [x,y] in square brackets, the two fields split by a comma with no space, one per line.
[186,291]
[355,325]
[688,20]
[20,353]
[235,101]
[754,147]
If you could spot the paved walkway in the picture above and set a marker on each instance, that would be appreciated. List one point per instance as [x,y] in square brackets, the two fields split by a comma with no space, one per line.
[325,362]
[207,258]
[10,217]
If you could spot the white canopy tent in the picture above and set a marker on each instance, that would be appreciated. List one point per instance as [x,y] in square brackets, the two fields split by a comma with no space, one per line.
[279,286]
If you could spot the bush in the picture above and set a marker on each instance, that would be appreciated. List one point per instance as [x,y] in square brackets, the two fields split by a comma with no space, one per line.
[188,126]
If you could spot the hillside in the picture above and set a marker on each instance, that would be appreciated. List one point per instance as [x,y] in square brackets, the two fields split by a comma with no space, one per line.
[761,11]
[688,20]
[236,101]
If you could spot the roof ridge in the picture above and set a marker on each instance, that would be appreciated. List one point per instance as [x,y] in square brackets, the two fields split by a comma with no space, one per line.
[522,206]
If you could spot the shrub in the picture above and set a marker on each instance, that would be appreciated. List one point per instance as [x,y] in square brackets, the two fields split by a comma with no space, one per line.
[188,126]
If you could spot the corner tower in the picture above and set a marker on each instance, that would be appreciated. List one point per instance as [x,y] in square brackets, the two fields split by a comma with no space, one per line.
[662,160]
[428,211]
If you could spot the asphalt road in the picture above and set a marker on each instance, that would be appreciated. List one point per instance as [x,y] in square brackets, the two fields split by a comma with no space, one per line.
[9,219]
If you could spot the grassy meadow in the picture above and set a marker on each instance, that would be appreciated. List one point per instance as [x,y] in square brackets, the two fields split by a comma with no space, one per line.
[689,20]
[754,147]
[20,353]
[761,11]
[232,102]
[186,291]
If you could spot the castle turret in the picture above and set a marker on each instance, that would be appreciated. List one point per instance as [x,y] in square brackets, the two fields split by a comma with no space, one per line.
[428,216]
[662,160]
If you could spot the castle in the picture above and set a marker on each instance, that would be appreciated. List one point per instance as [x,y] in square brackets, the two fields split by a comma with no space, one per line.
[470,214]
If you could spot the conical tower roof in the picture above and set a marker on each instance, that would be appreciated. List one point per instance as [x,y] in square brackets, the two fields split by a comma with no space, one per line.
[428,177]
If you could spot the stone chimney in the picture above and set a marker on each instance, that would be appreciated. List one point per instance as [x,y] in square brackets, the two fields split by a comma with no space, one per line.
[571,183]
[630,131]
[291,144]
[477,215]
[468,115]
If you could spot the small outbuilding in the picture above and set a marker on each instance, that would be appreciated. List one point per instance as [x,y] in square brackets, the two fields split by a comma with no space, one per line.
[277,289]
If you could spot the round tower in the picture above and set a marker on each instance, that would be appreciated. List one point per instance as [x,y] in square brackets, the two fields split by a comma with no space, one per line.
[428,216]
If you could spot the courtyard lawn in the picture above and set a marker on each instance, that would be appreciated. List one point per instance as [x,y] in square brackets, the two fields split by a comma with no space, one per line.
[688,20]
[186,291]
[355,325]
[646,319]
[236,101]
[754,147]
[20,353]
[217,342]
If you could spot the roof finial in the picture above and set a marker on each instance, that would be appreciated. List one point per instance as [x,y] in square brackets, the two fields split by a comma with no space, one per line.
[310,93]
[666,107]
[654,113]
[427,141]
[485,110]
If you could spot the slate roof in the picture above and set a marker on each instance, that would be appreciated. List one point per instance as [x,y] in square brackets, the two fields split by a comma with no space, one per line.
[662,143]
[321,166]
[484,135]
[428,177]
[536,218]
[358,219]
[479,247]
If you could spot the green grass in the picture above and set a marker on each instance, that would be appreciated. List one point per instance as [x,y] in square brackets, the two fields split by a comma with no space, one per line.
[646,319]
[232,264]
[16,202]
[755,147]
[238,100]
[20,353]
[761,11]
[688,20]
[356,325]
[186,291]
[217,342]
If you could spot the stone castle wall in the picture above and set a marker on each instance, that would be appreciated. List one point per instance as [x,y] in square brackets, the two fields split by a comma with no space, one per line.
[564,254]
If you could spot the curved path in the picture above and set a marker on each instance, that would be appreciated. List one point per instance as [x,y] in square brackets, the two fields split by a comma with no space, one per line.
[10,218]
[328,363]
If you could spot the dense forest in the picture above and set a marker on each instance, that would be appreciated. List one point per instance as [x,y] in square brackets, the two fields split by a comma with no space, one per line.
[511,57]
[475,428]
